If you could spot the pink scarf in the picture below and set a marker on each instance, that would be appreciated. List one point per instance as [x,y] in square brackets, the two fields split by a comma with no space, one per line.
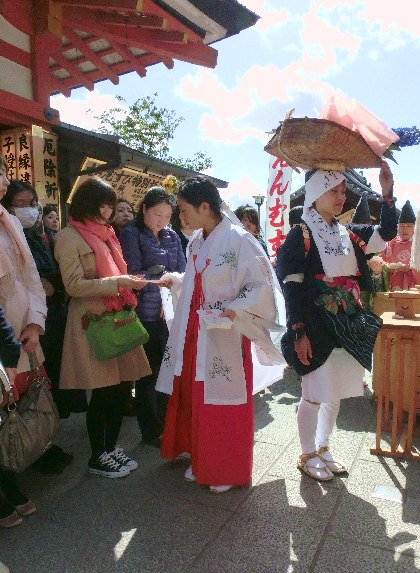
[109,259]
[20,245]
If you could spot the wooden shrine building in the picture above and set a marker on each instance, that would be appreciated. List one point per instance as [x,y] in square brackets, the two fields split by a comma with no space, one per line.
[53,46]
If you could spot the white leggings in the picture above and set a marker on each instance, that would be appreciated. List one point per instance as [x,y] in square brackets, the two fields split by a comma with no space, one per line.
[315,424]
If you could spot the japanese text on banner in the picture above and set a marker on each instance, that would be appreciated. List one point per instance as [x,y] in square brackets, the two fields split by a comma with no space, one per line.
[278,204]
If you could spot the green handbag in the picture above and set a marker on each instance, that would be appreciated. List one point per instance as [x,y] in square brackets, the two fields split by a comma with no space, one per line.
[115,333]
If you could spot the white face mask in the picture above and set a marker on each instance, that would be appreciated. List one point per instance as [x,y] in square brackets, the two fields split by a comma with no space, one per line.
[27,216]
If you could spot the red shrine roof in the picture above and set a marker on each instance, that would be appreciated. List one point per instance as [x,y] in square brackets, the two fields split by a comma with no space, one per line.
[86,41]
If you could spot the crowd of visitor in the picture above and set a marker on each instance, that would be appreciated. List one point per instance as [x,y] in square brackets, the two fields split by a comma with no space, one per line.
[195,380]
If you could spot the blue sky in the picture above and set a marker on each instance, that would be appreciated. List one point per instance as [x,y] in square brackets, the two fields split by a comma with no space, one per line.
[295,57]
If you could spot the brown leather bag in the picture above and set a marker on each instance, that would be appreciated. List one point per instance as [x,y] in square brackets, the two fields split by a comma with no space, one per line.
[27,426]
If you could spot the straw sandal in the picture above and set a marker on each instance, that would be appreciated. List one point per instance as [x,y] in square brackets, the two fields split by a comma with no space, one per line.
[335,466]
[317,469]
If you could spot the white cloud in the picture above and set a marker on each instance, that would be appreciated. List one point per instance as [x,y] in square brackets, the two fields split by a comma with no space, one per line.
[81,110]
[392,18]
[324,50]
[375,20]
[374,55]
[241,192]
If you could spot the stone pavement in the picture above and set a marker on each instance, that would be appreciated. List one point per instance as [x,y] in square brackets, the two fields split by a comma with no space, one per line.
[155,522]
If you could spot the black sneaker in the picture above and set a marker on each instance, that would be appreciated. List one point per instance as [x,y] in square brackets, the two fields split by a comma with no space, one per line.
[121,458]
[106,466]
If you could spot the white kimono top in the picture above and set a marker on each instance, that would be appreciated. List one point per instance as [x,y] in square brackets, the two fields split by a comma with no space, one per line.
[238,277]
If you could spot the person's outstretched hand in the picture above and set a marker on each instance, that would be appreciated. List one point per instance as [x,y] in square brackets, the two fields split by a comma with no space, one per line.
[386,180]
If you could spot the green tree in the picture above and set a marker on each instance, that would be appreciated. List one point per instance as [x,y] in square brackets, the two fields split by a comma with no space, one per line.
[149,128]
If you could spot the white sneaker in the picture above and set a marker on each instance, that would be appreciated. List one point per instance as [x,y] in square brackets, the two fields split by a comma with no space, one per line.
[119,456]
[3,568]
[106,466]
[188,475]
[220,488]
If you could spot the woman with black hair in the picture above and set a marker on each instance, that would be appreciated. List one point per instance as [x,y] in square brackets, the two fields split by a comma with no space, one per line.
[228,295]
[95,277]
[249,218]
[50,221]
[183,231]
[330,336]
[21,200]
[150,247]
[124,214]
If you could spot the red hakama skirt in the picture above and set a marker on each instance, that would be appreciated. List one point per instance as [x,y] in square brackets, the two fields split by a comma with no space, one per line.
[220,439]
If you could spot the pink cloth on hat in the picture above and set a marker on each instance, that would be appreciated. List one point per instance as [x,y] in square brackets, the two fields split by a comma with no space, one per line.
[355,116]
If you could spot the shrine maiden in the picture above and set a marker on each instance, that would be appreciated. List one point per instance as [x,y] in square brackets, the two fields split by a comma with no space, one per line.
[208,371]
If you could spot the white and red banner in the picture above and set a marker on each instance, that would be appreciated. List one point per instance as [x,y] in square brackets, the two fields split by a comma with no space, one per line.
[278,204]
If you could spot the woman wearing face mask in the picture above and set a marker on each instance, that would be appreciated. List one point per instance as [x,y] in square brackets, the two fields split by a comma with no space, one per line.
[149,246]
[23,301]
[124,214]
[21,200]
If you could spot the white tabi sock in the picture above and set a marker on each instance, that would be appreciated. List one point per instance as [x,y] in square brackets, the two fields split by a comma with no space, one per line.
[307,420]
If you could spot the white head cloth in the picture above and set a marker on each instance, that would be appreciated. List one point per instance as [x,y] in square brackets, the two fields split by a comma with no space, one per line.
[320,183]
[333,242]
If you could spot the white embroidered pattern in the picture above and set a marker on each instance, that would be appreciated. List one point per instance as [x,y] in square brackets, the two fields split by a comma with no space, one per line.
[244,291]
[228,258]
[167,355]
[218,368]
[330,236]
[218,305]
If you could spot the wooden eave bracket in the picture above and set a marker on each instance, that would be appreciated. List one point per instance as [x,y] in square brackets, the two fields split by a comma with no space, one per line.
[28,109]
[129,5]
[193,52]
[72,69]
[151,22]
[89,54]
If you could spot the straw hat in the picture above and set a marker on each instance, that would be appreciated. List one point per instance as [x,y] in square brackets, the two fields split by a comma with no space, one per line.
[311,143]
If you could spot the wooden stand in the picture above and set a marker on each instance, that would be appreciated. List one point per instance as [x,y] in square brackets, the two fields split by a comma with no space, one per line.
[397,385]
[382,302]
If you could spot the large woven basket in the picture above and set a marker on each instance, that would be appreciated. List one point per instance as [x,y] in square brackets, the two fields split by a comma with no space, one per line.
[311,143]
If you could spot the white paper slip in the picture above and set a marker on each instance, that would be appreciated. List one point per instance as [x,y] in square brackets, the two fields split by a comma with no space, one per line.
[212,319]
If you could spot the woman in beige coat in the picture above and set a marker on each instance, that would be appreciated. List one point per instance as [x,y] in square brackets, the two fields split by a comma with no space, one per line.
[94,275]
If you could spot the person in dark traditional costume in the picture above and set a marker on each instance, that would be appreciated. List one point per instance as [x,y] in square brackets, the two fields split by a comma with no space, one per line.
[330,336]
